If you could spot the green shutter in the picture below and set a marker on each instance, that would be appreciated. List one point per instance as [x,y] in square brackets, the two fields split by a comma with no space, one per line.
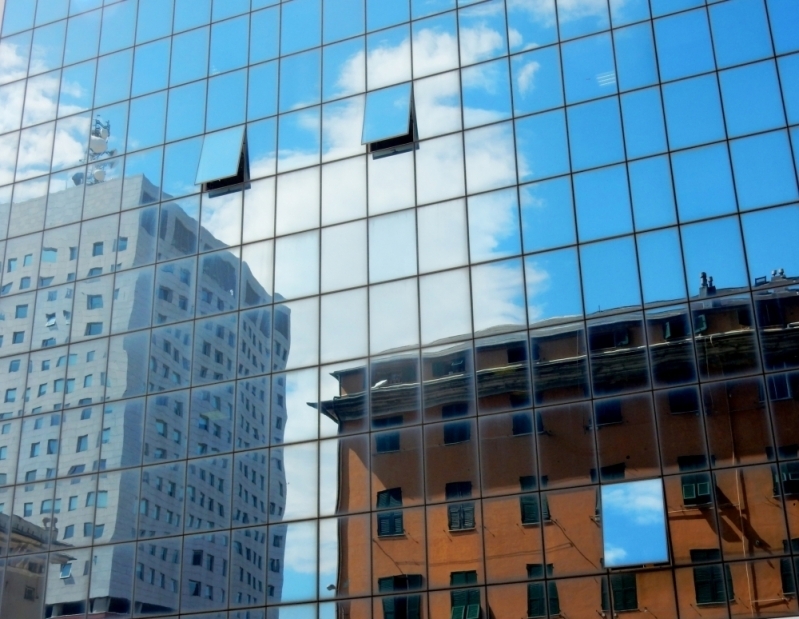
[385,585]
[459,598]
[473,611]
[625,595]
[605,600]
[384,524]
[730,591]
[472,595]
[456,579]
[414,581]
[389,608]
[536,605]
[458,612]
[545,508]
[454,517]
[414,607]
[529,507]
[468,515]
[396,520]
[554,600]
[786,574]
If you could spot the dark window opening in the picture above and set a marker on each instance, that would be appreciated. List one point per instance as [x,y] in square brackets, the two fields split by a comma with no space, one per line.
[683,401]
[696,489]
[237,182]
[710,580]
[625,592]
[399,144]
[607,412]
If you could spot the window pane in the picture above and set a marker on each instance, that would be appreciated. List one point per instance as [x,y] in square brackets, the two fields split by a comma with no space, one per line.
[220,155]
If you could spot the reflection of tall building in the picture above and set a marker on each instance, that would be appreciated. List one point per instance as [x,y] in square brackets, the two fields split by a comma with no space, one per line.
[80,411]
[500,483]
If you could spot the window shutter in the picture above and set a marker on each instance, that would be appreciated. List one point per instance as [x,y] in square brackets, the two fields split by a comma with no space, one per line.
[382,499]
[536,606]
[414,581]
[730,591]
[389,608]
[704,585]
[545,508]
[605,600]
[454,517]
[535,570]
[384,524]
[458,612]
[455,579]
[529,507]
[625,596]
[385,584]
[468,515]
[396,519]
[473,611]
[554,600]
[414,609]
[474,595]
[786,574]
[459,598]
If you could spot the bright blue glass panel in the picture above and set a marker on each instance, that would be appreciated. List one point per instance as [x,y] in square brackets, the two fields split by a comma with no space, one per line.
[189,56]
[229,8]
[635,57]
[262,92]
[531,24]
[547,214]
[714,247]
[180,167]
[751,98]
[19,47]
[301,25]
[113,77]
[50,11]
[553,285]
[387,113]
[595,134]
[494,225]
[300,80]
[299,141]
[644,130]
[18,16]
[192,13]
[703,182]
[541,147]
[47,49]
[577,19]
[385,13]
[789,77]
[77,84]
[653,197]
[264,46]
[83,37]
[660,261]
[227,100]
[764,173]
[343,19]
[343,67]
[602,203]
[486,93]
[155,19]
[229,45]
[150,67]
[119,24]
[262,147]
[147,120]
[623,12]
[634,523]
[664,7]
[81,6]
[770,238]
[784,15]
[186,113]
[740,32]
[482,32]
[536,81]
[693,112]
[220,155]
[683,44]
[610,275]
[423,8]
[588,69]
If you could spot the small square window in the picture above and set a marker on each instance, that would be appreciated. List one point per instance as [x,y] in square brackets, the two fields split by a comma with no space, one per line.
[388,125]
[224,162]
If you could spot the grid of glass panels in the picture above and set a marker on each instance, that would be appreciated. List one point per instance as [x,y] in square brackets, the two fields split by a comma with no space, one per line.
[541,361]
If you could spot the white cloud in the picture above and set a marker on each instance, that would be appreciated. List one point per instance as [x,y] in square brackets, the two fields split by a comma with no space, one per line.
[539,282]
[221,217]
[434,52]
[614,555]
[490,160]
[437,102]
[479,43]
[498,296]
[642,502]
[13,62]
[389,64]
[526,77]
[569,10]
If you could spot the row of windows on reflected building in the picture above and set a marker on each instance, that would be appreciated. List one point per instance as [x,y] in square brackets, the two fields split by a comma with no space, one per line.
[143,473]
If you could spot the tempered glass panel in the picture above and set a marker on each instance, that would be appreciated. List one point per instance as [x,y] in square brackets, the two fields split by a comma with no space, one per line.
[531,25]
[189,56]
[494,225]
[553,286]
[595,133]
[740,32]
[547,214]
[498,300]
[113,77]
[751,99]
[763,172]
[439,169]
[588,68]
[301,25]
[18,16]
[442,236]
[344,70]
[486,93]
[119,24]
[392,246]
[683,45]
[644,129]
[536,81]
[634,523]
[342,19]
[393,320]
[635,56]
[693,112]
[490,161]
[703,182]
[541,146]
[267,24]
[83,37]
[435,44]
[767,235]
[343,328]
[227,100]
[660,261]
[220,155]
[17,50]
[437,105]
[603,203]
[445,305]
[580,18]
[610,275]
[387,113]
[628,11]
[482,32]
[150,67]
[47,48]
[714,248]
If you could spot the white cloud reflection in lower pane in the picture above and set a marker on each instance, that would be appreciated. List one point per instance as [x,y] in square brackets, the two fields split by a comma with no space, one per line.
[498,296]
[445,306]
[490,158]
[393,316]
[435,45]
[391,183]
[439,169]
[437,104]
[634,524]
[442,237]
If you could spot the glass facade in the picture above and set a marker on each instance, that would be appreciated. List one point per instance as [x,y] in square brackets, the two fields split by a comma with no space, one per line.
[399,309]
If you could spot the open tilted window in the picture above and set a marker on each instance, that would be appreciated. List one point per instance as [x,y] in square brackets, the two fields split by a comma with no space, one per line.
[224,164]
[388,124]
